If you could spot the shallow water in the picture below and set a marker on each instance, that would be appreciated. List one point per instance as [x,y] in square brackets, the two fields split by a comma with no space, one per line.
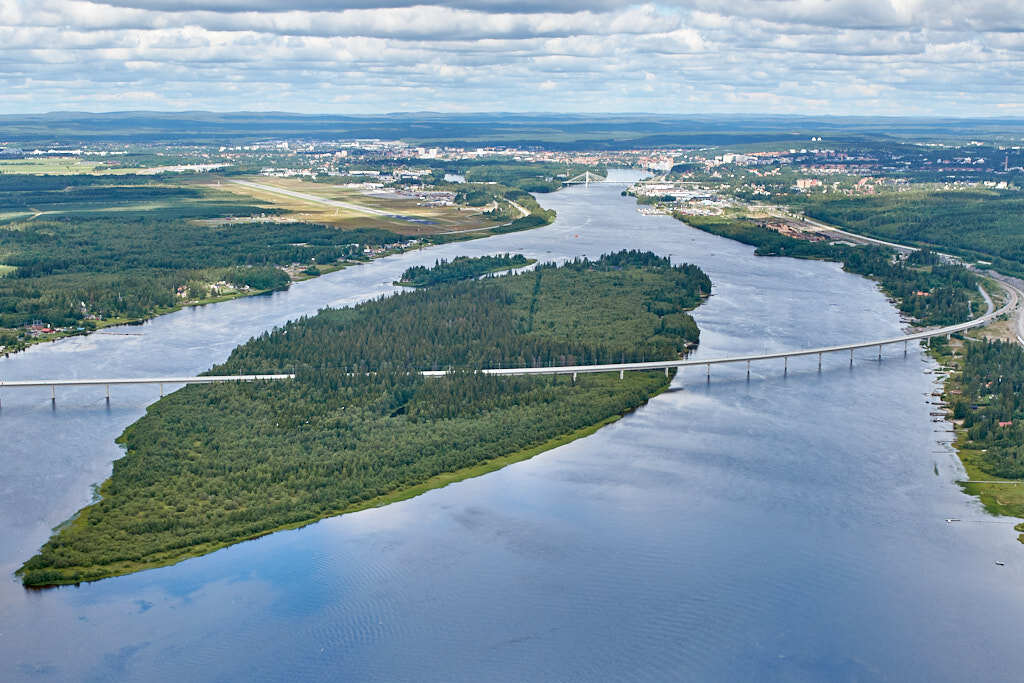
[787,528]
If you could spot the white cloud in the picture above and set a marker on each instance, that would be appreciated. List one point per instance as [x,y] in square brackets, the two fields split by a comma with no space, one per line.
[674,56]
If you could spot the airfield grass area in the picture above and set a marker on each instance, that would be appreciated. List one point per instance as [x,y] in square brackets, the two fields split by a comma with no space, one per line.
[436,219]
[48,166]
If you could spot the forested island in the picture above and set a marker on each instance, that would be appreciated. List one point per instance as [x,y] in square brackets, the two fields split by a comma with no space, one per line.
[212,465]
[460,268]
[932,292]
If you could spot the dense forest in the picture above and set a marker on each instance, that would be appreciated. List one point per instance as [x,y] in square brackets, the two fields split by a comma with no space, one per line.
[932,292]
[211,465]
[460,268]
[990,401]
[68,269]
[979,224]
[102,247]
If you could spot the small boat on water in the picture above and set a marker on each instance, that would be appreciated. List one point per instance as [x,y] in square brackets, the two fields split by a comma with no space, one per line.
[951,519]
[1001,564]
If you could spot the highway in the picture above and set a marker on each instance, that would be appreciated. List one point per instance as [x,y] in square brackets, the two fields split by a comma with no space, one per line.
[1008,283]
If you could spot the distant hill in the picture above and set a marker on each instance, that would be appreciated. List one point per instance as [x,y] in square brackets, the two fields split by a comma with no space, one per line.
[566,131]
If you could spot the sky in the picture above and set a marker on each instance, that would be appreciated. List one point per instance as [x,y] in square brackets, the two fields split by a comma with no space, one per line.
[842,57]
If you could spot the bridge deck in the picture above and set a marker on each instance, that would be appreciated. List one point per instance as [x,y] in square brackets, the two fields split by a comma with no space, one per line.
[205,379]
[1014,299]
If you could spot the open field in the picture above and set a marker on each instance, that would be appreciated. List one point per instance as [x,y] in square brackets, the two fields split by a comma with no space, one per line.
[73,165]
[419,220]
[48,166]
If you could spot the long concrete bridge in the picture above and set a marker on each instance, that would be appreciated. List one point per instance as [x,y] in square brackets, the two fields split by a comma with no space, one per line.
[1014,298]
[160,381]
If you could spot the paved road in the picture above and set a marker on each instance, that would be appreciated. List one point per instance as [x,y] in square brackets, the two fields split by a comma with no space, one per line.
[204,379]
[1014,300]
[1017,285]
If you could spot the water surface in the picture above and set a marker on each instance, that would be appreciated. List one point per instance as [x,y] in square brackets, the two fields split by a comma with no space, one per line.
[790,528]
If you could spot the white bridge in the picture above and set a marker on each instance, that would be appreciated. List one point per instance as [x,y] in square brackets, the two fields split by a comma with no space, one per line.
[585,178]
[1013,299]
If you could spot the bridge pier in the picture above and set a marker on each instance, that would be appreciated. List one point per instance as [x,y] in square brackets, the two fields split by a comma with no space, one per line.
[709,373]
[785,365]
[819,362]
[879,352]
[108,393]
[622,374]
[748,369]
[851,358]
[574,378]
[53,395]
[905,343]
[666,371]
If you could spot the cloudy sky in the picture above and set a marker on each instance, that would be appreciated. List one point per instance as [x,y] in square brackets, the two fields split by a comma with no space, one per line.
[945,57]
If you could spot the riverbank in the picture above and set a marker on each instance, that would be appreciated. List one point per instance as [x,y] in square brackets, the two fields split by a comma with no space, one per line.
[920,285]
[398,495]
[99,325]
[1001,496]
[295,275]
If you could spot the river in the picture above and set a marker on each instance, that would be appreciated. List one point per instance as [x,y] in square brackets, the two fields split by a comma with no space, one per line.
[787,528]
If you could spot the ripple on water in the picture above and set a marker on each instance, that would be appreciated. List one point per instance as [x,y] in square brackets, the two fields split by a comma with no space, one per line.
[786,529]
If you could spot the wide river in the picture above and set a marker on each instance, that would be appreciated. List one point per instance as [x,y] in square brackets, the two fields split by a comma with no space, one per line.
[787,528]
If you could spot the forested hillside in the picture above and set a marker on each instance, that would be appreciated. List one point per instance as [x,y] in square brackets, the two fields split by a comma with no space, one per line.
[981,224]
[212,465]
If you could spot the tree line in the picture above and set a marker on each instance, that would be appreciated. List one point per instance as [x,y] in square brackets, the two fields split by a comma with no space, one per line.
[459,268]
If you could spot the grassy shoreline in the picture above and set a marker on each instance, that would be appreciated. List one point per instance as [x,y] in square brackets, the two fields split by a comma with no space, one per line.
[435,482]
[999,496]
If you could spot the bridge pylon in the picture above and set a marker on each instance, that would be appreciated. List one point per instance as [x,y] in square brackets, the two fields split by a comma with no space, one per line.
[586,178]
